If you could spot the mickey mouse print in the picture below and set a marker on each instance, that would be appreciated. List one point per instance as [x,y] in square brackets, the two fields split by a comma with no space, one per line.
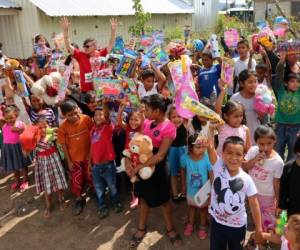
[229,194]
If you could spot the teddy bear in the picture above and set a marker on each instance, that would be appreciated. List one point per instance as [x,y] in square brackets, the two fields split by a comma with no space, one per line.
[47,88]
[264,101]
[139,152]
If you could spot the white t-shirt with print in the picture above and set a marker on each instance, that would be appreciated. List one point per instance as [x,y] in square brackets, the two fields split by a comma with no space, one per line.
[240,65]
[263,176]
[142,91]
[228,196]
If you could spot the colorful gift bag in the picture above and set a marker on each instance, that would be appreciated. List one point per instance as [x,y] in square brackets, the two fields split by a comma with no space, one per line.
[231,38]
[21,83]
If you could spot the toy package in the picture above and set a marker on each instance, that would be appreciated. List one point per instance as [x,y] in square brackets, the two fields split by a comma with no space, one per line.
[200,109]
[289,47]
[29,138]
[227,72]
[215,49]
[231,38]
[126,65]
[119,46]
[21,83]
[281,222]
[266,37]
[158,56]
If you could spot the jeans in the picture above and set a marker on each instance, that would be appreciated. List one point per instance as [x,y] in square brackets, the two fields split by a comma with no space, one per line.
[104,175]
[286,136]
[222,236]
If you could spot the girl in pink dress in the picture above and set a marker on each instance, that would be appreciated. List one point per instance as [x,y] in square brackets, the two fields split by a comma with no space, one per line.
[12,158]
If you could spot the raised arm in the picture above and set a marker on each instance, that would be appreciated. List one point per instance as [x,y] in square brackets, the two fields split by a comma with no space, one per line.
[212,153]
[113,25]
[276,84]
[160,76]
[220,99]
[65,24]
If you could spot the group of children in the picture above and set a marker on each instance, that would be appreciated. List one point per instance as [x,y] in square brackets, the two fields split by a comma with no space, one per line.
[242,157]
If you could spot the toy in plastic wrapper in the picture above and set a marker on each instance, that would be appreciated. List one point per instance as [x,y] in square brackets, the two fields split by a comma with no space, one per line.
[254,45]
[215,49]
[264,101]
[126,65]
[21,83]
[202,196]
[119,46]
[51,134]
[200,109]
[158,56]
[231,38]
[110,88]
[281,222]
[227,71]
[266,37]
[289,47]
[281,26]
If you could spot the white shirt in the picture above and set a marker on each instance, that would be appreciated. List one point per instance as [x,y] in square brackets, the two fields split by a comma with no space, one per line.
[251,115]
[228,196]
[263,176]
[284,243]
[240,65]
[143,92]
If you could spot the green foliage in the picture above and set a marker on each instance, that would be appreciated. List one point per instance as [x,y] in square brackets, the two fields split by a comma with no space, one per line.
[174,33]
[141,18]
[226,22]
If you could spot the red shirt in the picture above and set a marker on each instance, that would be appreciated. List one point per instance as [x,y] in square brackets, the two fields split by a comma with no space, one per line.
[102,149]
[86,68]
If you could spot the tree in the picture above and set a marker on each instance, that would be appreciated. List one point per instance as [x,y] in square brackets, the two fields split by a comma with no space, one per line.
[141,18]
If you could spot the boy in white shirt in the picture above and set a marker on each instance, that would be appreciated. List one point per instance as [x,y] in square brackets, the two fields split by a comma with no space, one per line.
[230,188]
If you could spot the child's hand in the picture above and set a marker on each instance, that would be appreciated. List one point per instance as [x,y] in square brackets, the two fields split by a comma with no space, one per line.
[260,157]
[64,23]
[278,212]
[259,237]
[222,85]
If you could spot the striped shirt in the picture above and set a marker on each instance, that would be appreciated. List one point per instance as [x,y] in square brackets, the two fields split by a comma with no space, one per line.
[46,113]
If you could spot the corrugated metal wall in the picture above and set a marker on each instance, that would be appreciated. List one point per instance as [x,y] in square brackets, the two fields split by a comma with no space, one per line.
[206,12]
[10,35]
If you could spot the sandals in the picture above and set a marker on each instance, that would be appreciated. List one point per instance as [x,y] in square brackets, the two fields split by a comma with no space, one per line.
[135,241]
[176,239]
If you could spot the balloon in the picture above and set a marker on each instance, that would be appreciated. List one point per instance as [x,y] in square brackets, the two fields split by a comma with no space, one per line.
[198,45]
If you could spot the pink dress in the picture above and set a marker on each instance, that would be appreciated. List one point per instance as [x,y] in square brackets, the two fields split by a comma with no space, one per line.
[227,131]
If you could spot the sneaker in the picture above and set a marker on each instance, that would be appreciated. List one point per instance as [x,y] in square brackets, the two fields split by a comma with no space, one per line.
[118,208]
[24,186]
[103,213]
[188,230]
[78,208]
[202,234]
[15,186]
[134,202]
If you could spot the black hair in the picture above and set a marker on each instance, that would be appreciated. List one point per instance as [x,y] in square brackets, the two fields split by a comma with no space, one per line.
[261,66]
[131,113]
[196,123]
[235,140]
[264,131]
[244,75]
[145,100]
[297,146]
[243,42]
[157,101]
[147,73]
[232,106]
[191,140]
[67,106]
[88,97]
[41,119]
[75,45]
[38,37]
[292,76]
[207,54]
[11,108]
[88,40]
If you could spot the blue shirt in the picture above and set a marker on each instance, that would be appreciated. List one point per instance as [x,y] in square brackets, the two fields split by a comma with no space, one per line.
[196,173]
[208,78]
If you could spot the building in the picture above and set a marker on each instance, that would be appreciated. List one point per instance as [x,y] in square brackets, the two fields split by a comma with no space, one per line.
[21,20]
[264,8]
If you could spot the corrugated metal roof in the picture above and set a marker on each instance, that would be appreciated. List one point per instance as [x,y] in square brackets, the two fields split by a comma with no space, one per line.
[109,8]
[5,4]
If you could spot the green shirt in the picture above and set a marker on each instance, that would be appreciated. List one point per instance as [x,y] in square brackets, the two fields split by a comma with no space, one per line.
[288,108]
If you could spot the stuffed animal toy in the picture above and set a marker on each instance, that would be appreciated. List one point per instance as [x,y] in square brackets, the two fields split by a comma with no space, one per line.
[140,151]
[264,101]
[47,88]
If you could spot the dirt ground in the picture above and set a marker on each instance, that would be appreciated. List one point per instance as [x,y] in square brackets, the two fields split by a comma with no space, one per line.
[22,225]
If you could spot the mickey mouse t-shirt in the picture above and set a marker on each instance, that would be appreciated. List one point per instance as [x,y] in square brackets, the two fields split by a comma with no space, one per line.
[228,196]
